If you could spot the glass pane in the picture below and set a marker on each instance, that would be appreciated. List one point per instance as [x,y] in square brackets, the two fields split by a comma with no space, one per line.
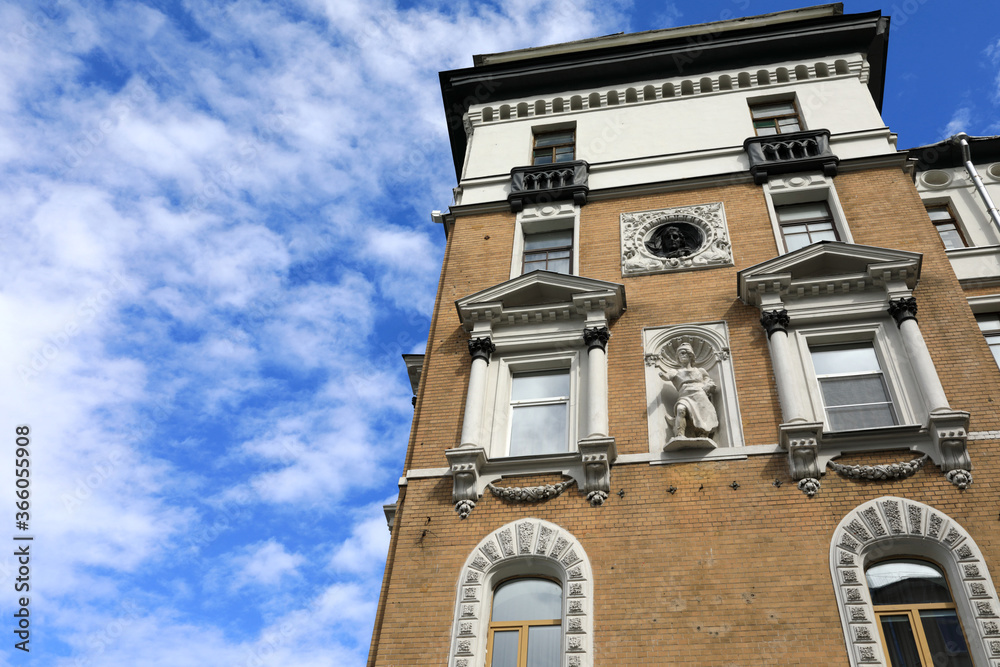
[550,384]
[844,359]
[818,227]
[988,321]
[538,429]
[801,212]
[559,266]
[504,649]
[543,646]
[901,646]
[534,266]
[829,235]
[995,349]
[853,390]
[553,138]
[950,237]
[907,582]
[939,213]
[789,125]
[557,239]
[865,416]
[543,157]
[796,241]
[944,638]
[770,110]
[527,600]
[765,128]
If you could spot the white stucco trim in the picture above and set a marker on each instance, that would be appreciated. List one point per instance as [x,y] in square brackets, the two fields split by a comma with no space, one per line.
[527,547]
[890,526]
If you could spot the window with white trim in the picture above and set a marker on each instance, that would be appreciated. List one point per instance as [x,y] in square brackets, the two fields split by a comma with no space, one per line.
[947,226]
[805,209]
[916,614]
[525,624]
[546,238]
[989,324]
[776,117]
[852,386]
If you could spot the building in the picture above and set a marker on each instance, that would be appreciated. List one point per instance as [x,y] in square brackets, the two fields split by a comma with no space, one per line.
[678,406]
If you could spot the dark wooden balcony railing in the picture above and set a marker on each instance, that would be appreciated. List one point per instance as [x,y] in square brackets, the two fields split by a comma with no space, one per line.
[788,153]
[544,183]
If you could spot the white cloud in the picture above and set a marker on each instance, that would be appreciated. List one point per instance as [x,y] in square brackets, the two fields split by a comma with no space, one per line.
[264,564]
[959,122]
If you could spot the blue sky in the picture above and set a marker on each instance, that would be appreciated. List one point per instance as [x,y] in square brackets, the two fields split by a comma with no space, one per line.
[216,244]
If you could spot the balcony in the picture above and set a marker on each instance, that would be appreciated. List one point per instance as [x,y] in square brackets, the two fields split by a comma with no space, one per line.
[543,183]
[789,153]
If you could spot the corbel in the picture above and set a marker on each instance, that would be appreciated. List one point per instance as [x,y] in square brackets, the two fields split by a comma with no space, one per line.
[597,455]
[950,432]
[466,465]
[802,441]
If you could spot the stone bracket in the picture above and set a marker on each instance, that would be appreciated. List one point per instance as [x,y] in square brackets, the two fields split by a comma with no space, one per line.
[466,465]
[597,455]
[950,432]
[802,441]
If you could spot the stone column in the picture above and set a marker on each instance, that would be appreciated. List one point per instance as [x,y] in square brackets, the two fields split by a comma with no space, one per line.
[596,339]
[480,349]
[776,322]
[904,311]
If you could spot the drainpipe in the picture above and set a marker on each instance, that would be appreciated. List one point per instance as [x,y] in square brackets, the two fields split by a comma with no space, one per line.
[962,140]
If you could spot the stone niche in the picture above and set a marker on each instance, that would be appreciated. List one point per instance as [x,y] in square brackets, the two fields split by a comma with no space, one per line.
[711,368]
[675,239]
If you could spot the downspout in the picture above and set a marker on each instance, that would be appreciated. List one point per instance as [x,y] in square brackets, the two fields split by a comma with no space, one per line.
[962,141]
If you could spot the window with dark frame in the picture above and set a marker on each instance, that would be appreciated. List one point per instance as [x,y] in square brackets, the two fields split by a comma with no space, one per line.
[539,413]
[558,146]
[989,324]
[548,251]
[805,224]
[775,118]
[947,226]
[525,624]
[917,618]
[852,386]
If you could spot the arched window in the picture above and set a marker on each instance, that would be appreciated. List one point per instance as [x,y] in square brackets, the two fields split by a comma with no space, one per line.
[907,575]
[525,598]
[917,617]
[525,624]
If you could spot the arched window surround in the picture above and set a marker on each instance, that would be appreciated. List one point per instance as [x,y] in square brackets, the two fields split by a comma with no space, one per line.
[891,526]
[530,548]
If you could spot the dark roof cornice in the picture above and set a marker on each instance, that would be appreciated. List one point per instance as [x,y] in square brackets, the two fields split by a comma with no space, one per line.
[670,57]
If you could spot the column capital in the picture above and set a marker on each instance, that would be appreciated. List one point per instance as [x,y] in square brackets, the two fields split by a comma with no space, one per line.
[481,348]
[596,337]
[902,309]
[774,320]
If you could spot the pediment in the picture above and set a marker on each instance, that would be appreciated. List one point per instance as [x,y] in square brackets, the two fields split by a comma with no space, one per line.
[827,267]
[542,295]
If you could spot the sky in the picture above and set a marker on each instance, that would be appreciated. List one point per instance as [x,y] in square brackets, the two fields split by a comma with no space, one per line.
[216,243]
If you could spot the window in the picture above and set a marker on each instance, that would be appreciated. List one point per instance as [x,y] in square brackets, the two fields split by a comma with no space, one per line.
[852,387]
[989,324]
[916,615]
[805,224]
[559,146]
[526,624]
[539,419]
[549,251]
[775,118]
[947,226]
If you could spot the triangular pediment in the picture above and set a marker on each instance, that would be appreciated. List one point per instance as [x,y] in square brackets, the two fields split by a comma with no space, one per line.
[829,263]
[540,293]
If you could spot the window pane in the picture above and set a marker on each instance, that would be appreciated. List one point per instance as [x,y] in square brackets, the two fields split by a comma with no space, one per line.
[939,213]
[543,157]
[538,429]
[824,235]
[504,649]
[853,390]
[559,266]
[796,241]
[988,321]
[863,416]
[907,582]
[995,348]
[543,646]
[845,359]
[944,638]
[950,237]
[901,646]
[527,600]
[788,125]
[550,384]
[771,110]
[801,212]
[557,239]
[553,138]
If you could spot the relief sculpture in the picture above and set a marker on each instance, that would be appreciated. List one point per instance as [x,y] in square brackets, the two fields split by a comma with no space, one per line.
[687,394]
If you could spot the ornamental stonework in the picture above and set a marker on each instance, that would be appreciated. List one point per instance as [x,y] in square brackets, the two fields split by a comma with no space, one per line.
[675,239]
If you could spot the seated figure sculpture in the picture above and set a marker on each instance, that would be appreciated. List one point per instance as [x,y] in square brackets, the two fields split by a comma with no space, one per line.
[694,419]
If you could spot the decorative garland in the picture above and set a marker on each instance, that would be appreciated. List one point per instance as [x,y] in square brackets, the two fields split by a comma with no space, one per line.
[530,494]
[880,472]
